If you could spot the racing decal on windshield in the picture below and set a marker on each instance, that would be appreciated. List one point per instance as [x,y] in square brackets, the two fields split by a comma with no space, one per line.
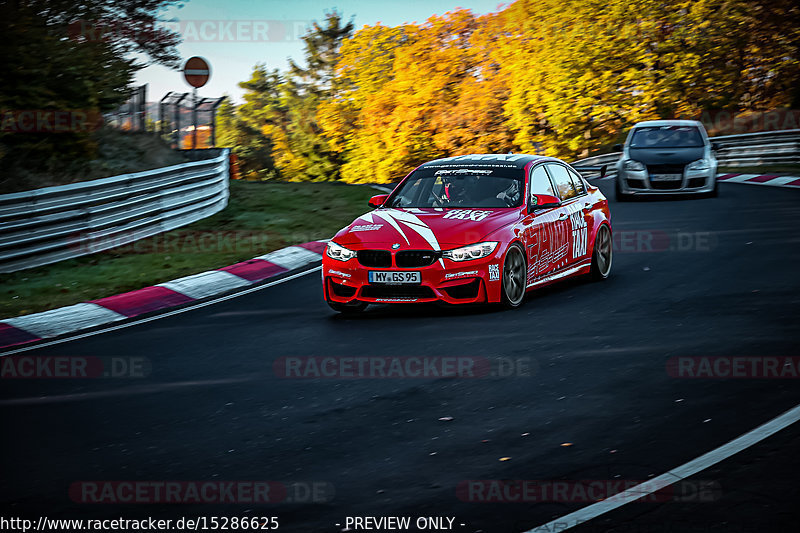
[367,227]
[579,234]
[475,215]
[486,157]
[465,171]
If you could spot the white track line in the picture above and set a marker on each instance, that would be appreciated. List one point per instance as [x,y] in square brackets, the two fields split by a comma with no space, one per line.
[682,472]
[164,315]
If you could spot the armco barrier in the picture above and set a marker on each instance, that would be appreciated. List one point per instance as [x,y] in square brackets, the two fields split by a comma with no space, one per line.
[748,149]
[55,223]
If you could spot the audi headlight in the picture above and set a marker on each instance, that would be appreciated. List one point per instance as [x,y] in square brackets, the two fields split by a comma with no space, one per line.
[473,251]
[338,252]
[700,164]
[632,164]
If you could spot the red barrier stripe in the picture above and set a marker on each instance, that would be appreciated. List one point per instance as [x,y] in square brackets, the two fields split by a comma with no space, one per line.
[317,247]
[9,335]
[254,269]
[143,301]
[727,176]
[795,183]
[763,178]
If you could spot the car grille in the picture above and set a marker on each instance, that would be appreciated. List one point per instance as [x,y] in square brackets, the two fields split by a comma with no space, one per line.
[415,258]
[666,185]
[375,258]
[636,184]
[397,291]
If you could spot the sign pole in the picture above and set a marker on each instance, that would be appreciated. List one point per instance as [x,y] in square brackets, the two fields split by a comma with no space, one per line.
[194,118]
[196,71]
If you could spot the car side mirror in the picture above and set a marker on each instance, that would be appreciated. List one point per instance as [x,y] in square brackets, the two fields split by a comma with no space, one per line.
[616,148]
[543,201]
[378,200]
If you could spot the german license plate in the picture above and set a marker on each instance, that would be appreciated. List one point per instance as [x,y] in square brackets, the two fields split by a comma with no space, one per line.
[666,177]
[394,278]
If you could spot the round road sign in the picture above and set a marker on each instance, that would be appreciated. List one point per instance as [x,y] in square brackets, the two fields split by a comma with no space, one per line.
[196,70]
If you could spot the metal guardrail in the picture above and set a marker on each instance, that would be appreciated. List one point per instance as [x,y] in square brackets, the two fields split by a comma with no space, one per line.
[747,149]
[47,225]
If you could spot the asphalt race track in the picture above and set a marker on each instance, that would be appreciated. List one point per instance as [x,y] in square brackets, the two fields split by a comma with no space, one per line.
[699,277]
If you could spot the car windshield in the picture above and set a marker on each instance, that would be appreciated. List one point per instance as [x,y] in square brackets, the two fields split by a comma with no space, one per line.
[666,137]
[458,186]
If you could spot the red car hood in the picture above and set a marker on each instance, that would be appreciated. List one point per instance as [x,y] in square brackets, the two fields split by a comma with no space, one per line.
[425,229]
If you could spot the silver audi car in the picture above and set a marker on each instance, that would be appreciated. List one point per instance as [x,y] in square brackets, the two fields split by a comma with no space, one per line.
[666,157]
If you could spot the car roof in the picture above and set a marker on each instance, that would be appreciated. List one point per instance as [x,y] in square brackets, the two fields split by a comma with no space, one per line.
[670,122]
[516,160]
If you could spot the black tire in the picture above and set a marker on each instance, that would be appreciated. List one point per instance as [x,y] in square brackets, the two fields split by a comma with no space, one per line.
[602,254]
[515,277]
[619,196]
[348,309]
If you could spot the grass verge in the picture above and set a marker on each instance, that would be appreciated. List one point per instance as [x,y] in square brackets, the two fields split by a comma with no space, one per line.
[260,217]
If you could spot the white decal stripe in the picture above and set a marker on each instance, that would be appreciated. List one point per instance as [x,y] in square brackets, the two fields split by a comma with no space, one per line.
[413,222]
[366,217]
[388,218]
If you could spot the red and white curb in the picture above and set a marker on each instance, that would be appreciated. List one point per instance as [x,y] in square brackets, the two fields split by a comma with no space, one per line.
[761,179]
[751,179]
[57,322]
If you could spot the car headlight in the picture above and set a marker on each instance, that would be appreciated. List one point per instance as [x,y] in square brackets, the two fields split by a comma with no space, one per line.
[473,251]
[338,252]
[632,164]
[700,164]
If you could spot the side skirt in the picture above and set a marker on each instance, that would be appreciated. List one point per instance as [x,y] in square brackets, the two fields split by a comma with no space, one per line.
[568,271]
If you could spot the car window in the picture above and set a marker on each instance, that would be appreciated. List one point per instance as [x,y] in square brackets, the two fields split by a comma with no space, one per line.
[540,182]
[577,182]
[562,181]
[666,137]
[455,186]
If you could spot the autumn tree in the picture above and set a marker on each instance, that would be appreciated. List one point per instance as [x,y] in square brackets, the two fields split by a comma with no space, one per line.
[301,150]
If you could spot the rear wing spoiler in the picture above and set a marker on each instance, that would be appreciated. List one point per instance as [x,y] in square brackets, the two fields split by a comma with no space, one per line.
[601,169]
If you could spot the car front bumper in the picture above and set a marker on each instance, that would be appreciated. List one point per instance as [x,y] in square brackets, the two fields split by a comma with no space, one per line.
[465,282]
[691,182]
